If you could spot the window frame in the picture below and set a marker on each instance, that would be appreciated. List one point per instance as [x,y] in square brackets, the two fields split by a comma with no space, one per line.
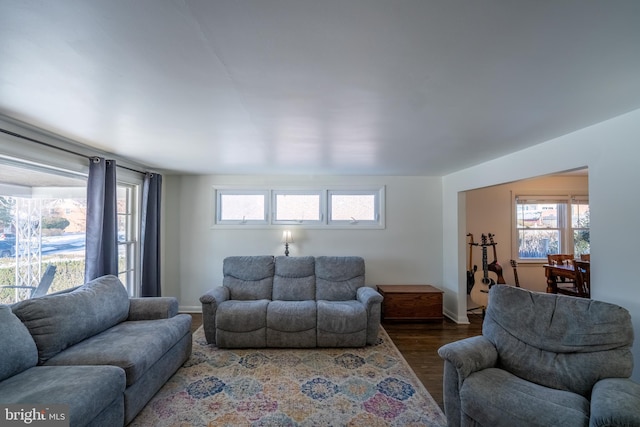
[564,225]
[321,207]
[377,194]
[131,243]
[324,192]
[221,192]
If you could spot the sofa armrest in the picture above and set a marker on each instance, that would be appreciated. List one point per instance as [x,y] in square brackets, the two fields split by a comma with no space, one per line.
[368,296]
[210,302]
[462,358]
[151,308]
[469,355]
[615,402]
[372,302]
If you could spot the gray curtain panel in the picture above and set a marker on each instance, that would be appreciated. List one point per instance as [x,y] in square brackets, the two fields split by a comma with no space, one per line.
[150,235]
[102,229]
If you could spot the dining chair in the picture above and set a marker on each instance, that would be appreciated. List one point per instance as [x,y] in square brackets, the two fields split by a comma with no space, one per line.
[43,285]
[581,287]
[514,265]
[559,259]
[583,276]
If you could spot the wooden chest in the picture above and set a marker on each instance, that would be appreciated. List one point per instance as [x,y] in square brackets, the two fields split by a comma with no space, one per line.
[411,302]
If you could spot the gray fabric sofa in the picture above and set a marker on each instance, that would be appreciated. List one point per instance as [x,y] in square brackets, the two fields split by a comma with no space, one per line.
[292,302]
[93,348]
[543,360]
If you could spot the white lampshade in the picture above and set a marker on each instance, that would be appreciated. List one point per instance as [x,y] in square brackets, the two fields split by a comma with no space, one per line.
[287,237]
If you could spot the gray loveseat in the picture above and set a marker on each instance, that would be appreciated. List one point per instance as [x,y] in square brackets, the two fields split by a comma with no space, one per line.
[292,302]
[543,360]
[93,348]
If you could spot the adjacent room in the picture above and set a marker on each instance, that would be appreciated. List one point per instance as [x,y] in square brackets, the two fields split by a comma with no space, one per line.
[296,213]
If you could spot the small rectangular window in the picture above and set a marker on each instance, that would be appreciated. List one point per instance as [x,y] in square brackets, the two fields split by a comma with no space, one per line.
[241,207]
[355,207]
[297,207]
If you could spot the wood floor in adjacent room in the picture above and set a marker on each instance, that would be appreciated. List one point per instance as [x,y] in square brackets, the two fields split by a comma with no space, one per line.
[419,344]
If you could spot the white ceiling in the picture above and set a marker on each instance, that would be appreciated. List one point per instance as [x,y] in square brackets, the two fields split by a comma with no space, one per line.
[378,87]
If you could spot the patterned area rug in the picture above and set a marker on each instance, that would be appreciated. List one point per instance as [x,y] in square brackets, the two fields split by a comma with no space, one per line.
[371,386]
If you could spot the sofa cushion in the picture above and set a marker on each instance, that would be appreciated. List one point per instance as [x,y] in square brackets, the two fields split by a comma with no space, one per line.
[557,341]
[18,351]
[61,320]
[494,397]
[291,316]
[291,324]
[338,278]
[242,316]
[133,345]
[88,390]
[294,279]
[341,317]
[248,277]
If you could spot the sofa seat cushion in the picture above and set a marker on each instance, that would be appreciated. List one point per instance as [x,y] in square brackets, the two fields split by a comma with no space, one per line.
[88,390]
[341,324]
[242,316]
[341,316]
[291,316]
[133,345]
[18,351]
[291,324]
[59,321]
[494,397]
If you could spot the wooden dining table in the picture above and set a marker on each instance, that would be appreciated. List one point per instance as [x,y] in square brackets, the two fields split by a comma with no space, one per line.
[552,272]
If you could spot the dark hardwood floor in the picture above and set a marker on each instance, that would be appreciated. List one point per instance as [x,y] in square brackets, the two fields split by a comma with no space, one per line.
[419,344]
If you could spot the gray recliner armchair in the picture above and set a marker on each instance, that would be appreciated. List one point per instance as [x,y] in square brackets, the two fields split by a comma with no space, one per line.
[543,360]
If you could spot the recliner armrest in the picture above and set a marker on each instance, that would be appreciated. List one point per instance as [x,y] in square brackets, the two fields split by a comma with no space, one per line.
[210,302]
[151,308]
[615,402]
[368,296]
[470,355]
[215,296]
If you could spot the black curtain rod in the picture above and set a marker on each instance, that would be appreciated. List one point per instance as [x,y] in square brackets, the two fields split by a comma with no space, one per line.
[17,135]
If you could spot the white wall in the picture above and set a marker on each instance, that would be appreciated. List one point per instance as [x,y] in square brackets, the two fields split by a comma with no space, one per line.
[407,251]
[610,150]
[490,210]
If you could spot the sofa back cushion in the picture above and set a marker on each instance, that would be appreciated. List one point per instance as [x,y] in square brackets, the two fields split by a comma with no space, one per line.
[338,278]
[18,351]
[557,341]
[59,321]
[294,279]
[248,277]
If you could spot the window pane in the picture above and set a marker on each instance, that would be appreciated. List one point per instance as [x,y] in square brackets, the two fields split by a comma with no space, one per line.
[242,207]
[580,222]
[580,215]
[353,207]
[538,243]
[297,207]
[581,242]
[42,222]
